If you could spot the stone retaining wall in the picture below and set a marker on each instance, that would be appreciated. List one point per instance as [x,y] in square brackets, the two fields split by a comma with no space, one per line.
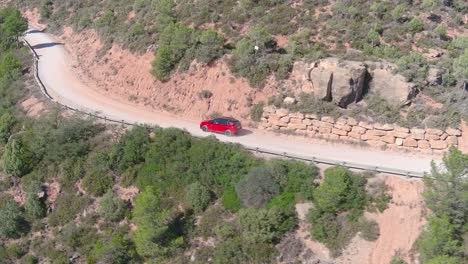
[352,131]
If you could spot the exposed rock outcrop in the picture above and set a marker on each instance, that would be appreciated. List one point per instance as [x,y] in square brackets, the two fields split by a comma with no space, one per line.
[346,82]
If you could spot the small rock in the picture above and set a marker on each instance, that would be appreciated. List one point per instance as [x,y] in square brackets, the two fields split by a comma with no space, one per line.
[352,121]
[399,142]
[339,132]
[375,132]
[376,143]
[452,140]
[388,139]
[424,144]
[282,112]
[384,127]
[289,100]
[431,137]
[328,119]
[409,142]
[453,132]
[311,116]
[295,120]
[359,130]
[438,144]
[366,125]
[433,131]
[434,76]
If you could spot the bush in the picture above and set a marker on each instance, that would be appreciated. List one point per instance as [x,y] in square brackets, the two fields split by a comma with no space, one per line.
[67,207]
[340,190]
[10,67]
[256,112]
[97,182]
[12,220]
[112,208]
[266,225]
[397,260]
[369,229]
[17,158]
[113,249]
[198,196]
[257,187]
[210,46]
[230,200]
[35,208]
[415,25]
[205,94]
[130,149]
[7,122]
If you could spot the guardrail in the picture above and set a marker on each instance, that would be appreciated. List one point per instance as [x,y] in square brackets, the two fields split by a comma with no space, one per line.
[317,160]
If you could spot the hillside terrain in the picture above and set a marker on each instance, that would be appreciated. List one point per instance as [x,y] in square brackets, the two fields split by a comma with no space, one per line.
[410,55]
[76,190]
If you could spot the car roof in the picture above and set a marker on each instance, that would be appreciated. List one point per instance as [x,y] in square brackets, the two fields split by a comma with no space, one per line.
[228,118]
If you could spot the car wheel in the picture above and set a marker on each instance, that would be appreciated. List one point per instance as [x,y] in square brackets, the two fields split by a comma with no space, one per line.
[228,133]
[204,128]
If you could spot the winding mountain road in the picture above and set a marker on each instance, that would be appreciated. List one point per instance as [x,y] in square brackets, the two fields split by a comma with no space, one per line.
[57,74]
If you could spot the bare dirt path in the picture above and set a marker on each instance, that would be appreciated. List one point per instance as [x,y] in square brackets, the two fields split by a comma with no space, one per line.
[59,77]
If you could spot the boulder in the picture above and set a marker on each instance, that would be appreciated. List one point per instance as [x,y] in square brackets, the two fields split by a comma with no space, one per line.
[285,119]
[299,126]
[399,134]
[343,127]
[402,129]
[324,130]
[307,122]
[431,137]
[370,137]
[434,76]
[354,135]
[341,121]
[375,143]
[391,86]
[332,79]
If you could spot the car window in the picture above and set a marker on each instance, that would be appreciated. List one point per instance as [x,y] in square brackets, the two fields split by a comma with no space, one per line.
[217,121]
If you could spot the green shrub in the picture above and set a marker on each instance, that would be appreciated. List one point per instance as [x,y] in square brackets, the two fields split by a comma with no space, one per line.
[397,260]
[340,190]
[210,46]
[10,66]
[256,111]
[257,187]
[7,121]
[230,200]
[17,158]
[11,217]
[283,200]
[130,149]
[34,207]
[113,249]
[266,225]
[369,229]
[97,182]
[46,9]
[415,25]
[112,208]
[67,207]
[198,196]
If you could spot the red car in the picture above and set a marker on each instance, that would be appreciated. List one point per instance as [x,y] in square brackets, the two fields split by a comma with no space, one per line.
[226,125]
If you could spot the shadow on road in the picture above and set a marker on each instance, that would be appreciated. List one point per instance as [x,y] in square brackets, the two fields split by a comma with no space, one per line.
[33,31]
[244,132]
[46,45]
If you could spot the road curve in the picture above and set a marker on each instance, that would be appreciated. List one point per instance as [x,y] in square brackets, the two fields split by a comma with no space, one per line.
[57,74]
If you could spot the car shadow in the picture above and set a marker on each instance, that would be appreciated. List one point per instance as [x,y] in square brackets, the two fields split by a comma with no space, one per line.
[244,132]
[34,31]
[46,45]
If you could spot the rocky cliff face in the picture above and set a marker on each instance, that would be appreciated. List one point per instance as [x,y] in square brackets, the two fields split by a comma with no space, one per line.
[346,82]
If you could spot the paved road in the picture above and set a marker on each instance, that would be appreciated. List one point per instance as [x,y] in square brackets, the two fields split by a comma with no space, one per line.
[64,86]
